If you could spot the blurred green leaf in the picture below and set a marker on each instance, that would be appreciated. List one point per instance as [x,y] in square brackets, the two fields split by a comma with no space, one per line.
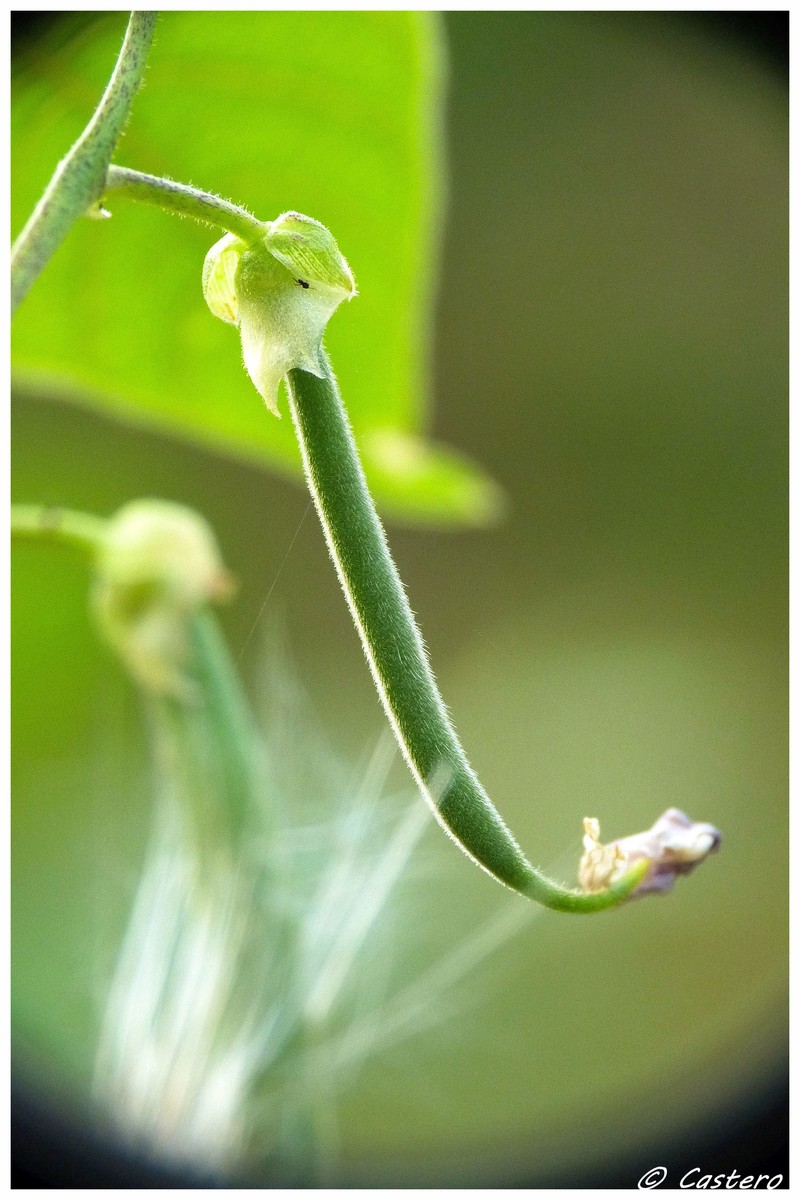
[337,115]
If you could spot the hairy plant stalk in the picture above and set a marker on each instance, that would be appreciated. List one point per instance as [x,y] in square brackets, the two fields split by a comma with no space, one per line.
[211,740]
[396,654]
[57,526]
[183,200]
[80,176]
[194,1014]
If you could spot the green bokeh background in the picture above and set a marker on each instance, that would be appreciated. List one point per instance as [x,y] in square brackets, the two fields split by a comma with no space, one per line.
[611,345]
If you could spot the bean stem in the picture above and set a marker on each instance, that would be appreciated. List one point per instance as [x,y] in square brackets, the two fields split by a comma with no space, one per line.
[182,199]
[58,526]
[80,176]
[396,654]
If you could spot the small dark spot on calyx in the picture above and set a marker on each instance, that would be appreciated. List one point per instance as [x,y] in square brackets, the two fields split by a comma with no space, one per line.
[303,283]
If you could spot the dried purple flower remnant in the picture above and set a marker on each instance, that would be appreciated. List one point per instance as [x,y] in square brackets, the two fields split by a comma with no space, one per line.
[674,846]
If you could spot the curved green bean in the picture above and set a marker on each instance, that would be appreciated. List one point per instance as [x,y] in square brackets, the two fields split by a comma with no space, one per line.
[396,653]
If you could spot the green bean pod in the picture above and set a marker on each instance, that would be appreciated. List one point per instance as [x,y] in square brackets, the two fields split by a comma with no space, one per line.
[396,653]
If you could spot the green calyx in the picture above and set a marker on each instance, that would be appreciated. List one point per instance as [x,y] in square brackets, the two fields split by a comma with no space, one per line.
[281,291]
[156,566]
